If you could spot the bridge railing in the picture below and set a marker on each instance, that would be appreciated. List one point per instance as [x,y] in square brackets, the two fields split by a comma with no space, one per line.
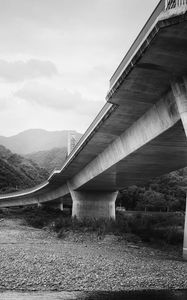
[169,4]
[163,5]
[138,42]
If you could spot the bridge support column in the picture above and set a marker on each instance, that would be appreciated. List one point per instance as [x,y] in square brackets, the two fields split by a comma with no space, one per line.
[40,205]
[185,235]
[61,206]
[93,205]
[180,93]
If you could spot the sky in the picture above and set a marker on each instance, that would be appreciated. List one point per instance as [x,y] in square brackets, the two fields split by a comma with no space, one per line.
[57,57]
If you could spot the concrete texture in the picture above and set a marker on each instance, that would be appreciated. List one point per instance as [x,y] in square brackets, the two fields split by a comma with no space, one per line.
[158,119]
[93,205]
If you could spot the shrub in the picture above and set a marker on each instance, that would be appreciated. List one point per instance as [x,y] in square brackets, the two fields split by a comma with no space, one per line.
[39,217]
[167,227]
[171,235]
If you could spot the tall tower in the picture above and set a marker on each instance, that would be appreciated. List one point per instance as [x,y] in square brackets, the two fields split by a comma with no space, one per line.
[71,141]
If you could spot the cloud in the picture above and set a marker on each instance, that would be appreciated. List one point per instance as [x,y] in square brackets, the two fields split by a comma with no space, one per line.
[58,99]
[16,71]
[4,103]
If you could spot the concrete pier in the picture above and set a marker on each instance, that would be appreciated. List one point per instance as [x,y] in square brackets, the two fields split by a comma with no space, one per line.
[61,206]
[179,89]
[185,235]
[93,205]
[180,94]
[40,205]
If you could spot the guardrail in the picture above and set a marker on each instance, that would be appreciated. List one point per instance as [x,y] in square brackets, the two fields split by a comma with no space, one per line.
[163,5]
[169,4]
[138,42]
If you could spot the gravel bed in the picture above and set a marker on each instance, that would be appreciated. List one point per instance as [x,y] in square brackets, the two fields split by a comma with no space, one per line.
[35,260]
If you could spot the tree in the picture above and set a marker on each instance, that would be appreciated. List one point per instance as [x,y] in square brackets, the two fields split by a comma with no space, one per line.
[152,201]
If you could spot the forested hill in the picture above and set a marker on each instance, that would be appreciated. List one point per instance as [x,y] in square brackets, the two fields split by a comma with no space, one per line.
[17,172]
[167,192]
[50,159]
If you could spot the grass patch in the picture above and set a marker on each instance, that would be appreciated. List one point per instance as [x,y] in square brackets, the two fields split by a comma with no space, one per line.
[42,217]
[149,227]
[36,217]
[165,228]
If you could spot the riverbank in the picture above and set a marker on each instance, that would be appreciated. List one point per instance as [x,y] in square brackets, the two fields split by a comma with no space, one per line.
[37,260]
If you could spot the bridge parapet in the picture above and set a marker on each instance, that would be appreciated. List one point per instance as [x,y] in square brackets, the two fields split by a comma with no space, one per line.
[164,10]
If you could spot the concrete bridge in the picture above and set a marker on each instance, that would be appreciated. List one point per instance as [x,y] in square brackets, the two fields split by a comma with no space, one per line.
[139,134]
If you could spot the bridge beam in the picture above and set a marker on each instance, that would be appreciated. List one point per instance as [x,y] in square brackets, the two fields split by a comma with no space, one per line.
[93,205]
[180,94]
[155,121]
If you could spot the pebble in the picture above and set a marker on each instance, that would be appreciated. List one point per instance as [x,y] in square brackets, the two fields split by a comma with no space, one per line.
[37,260]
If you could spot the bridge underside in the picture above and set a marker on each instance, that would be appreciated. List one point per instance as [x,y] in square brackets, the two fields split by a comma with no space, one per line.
[159,61]
[161,155]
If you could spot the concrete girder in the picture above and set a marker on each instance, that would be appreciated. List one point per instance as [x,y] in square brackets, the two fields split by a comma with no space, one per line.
[22,201]
[53,195]
[158,119]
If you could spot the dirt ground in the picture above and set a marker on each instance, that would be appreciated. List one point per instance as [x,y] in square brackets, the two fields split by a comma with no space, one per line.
[36,260]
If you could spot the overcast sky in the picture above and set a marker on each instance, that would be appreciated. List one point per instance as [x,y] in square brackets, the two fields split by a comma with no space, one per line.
[57,56]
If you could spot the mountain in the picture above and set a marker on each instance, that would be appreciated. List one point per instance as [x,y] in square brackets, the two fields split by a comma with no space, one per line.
[17,172]
[49,159]
[34,140]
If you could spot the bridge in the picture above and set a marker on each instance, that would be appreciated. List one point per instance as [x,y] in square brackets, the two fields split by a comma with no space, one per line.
[139,134]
